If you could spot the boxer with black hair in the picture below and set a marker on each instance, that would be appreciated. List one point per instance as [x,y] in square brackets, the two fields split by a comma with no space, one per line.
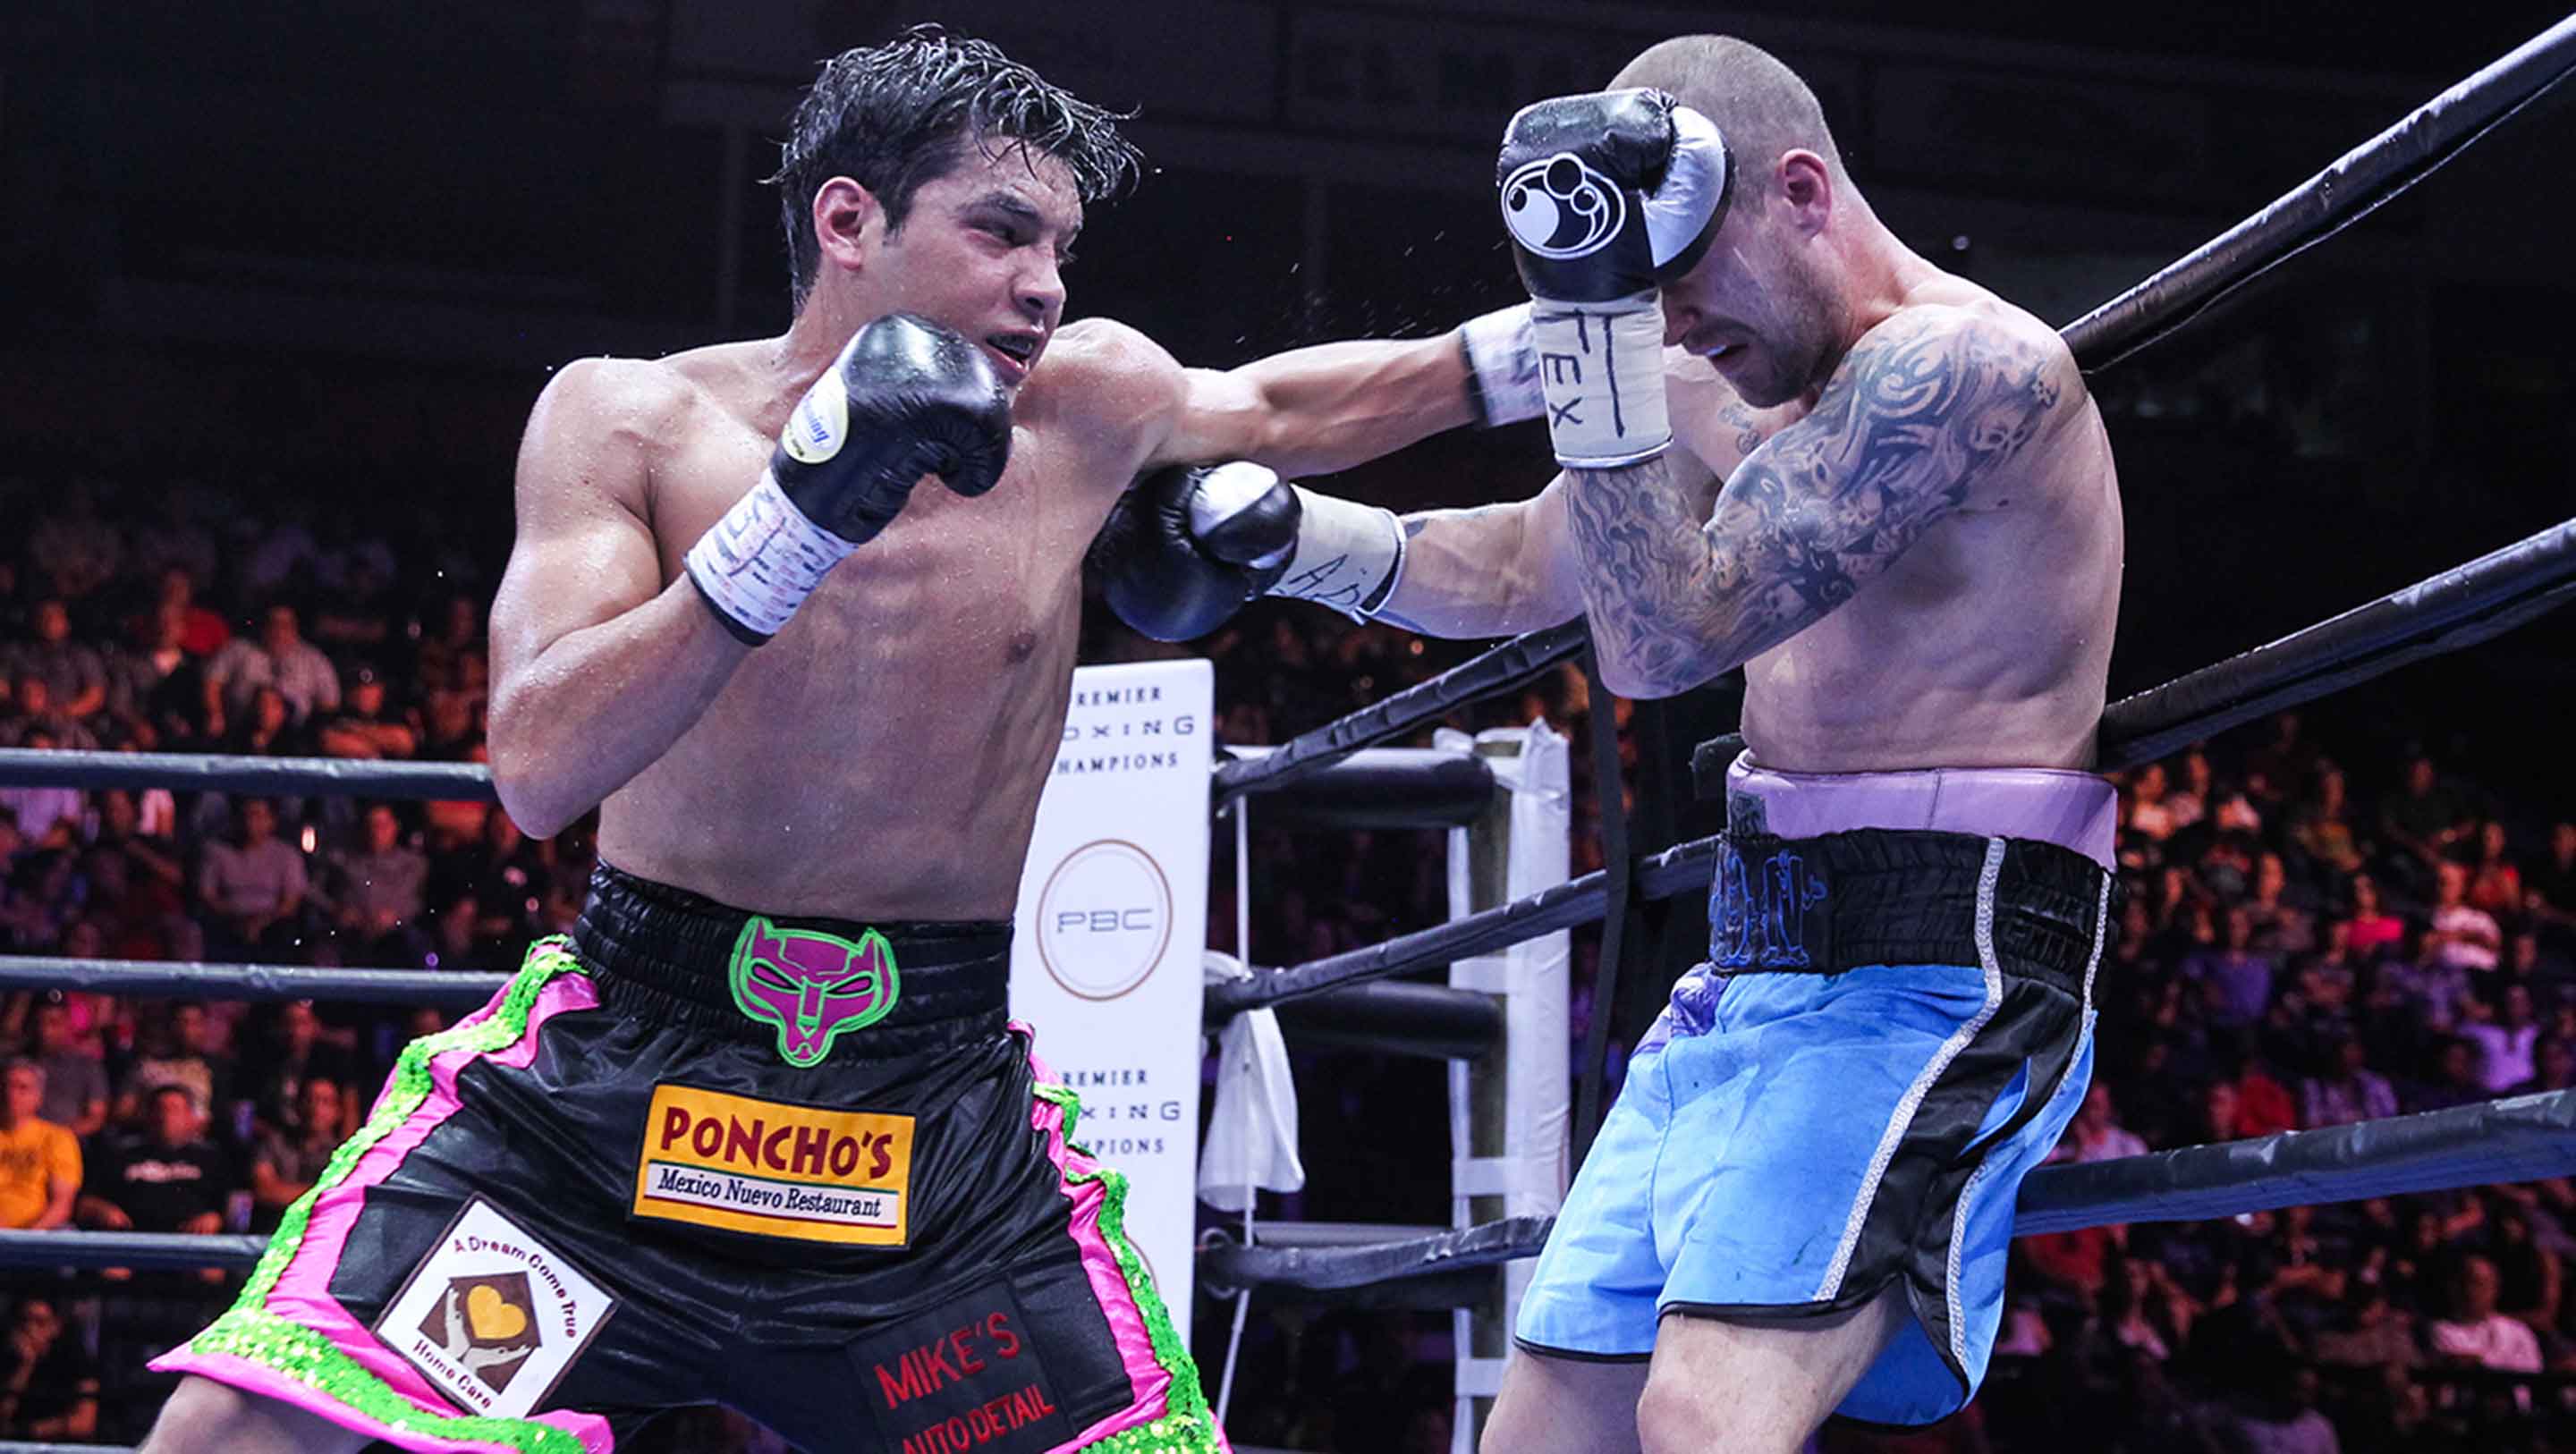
[759,1130]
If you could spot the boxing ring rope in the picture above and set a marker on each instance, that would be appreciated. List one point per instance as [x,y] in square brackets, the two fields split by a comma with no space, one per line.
[1500,669]
[450,782]
[2524,1138]
[2359,183]
[2515,1139]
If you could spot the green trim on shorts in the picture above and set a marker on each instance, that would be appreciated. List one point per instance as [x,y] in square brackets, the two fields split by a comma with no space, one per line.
[1187,1426]
[249,1331]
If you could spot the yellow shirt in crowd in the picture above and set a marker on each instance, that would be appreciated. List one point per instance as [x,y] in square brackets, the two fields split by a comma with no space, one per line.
[33,1154]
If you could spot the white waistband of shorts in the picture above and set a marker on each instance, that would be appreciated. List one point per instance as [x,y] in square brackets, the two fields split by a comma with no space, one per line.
[2078,811]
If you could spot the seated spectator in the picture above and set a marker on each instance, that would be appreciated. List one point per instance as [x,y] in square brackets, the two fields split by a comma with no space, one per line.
[2549,890]
[74,678]
[367,724]
[2095,1133]
[452,655]
[75,1083]
[253,887]
[278,657]
[356,615]
[2495,883]
[2555,1068]
[2478,1336]
[375,891]
[2280,926]
[166,1177]
[2371,1334]
[454,939]
[2245,1102]
[2323,826]
[45,818]
[2330,980]
[505,873]
[2235,980]
[157,884]
[2528,1275]
[180,1050]
[2506,1043]
[266,727]
[2455,1079]
[290,1161]
[202,632]
[2373,927]
[2194,798]
[48,1381]
[2418,1268]
[2148,813]
[2070,1265]
[2351,1092]
[2425,817]
[31,721]
[154,687]
[2236,813]
[2551,977]
[452,731]
[296,1053]
[2226,867]
[40,1163]
[2282,763]
[40,899]
[2433,991]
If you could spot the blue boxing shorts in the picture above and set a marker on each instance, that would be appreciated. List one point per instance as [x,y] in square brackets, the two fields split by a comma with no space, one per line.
[1894,1026]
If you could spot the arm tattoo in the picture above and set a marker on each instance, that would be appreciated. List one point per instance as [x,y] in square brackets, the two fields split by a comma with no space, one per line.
[1915,416]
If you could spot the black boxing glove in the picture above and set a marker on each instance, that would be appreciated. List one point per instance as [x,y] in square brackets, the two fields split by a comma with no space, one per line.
[1605,197]
[906,398]
[1185,548]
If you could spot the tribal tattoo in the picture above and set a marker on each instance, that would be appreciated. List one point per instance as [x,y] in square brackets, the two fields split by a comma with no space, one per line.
[1922,408]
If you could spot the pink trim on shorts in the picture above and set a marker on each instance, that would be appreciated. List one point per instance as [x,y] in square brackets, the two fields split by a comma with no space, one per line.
[302,1294]
[2078,811]
[1146,1374]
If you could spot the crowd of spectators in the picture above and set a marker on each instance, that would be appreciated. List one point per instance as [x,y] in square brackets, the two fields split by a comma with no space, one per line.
[2308,944]
[2303,943]
[180,619]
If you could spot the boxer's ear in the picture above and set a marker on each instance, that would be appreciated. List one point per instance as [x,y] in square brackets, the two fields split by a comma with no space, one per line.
[849,225]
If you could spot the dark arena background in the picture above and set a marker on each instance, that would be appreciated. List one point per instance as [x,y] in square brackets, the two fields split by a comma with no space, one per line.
[279,282]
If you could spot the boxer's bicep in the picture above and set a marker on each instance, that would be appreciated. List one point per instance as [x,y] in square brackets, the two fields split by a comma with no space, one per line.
[1924,408]
[584,550]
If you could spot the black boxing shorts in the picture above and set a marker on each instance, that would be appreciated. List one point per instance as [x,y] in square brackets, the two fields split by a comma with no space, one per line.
[805,1168]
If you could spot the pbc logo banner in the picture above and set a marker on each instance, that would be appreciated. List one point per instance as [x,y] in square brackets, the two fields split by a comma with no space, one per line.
[775,1170]
[961,1379]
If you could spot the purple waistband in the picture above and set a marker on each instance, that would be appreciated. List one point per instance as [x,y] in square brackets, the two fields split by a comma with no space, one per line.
[2074,810]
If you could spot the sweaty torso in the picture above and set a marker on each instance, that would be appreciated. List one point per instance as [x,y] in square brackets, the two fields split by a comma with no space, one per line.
[882,757]
[1986,644]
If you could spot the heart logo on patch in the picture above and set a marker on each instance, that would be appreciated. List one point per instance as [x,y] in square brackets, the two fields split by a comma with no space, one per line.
[492,1316]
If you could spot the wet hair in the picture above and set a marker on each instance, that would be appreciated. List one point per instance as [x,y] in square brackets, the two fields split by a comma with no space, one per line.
[1760,105]
[897,116]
